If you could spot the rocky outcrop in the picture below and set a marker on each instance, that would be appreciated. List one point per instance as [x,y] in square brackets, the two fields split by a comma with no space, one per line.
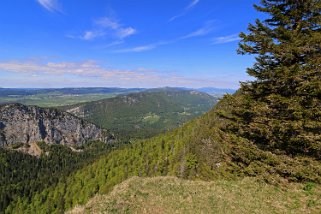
[27,124]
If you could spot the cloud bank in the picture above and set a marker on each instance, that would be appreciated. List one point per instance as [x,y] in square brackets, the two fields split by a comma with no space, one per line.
[90,73]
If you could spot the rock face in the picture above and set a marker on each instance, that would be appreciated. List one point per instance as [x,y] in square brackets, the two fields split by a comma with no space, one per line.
[27,124]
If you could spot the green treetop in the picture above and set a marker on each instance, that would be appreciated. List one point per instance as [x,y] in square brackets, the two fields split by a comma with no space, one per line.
[280,110]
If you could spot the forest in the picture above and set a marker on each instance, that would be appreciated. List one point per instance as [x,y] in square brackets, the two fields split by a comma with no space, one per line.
[22,175]
[268,131]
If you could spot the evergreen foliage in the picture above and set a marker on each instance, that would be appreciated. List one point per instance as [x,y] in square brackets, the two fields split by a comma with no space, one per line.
[22,175]
[270,129]
[280,111]
[197,150]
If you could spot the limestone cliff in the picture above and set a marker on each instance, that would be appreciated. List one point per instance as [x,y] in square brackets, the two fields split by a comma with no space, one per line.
[26,124]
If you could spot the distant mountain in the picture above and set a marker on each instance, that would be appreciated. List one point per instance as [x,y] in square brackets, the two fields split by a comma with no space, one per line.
[200,150]
[28,124]
[51,97]
[88,90]
[4,92]
[217,91]
[147,113]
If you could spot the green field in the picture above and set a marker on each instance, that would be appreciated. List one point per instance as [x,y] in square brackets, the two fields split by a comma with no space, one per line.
[52,97]
[53,100]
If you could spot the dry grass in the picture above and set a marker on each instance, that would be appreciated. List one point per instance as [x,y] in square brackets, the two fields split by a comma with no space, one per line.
[172,195]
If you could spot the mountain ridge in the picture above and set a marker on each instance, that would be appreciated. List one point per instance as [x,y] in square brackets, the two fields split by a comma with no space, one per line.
[197,150]
[144,114]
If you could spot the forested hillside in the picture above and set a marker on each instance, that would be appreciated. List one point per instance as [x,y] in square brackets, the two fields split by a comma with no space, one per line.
[268,132]
[197,150]
[22,175]
[145,114]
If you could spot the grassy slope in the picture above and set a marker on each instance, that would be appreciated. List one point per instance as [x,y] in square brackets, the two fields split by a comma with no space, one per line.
[145,114]
[197,150]
[173,195]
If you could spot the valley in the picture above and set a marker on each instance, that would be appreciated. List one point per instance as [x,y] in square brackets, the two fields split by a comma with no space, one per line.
[103,111]
[62,143]
[59,96]
[144,114]
[197,150]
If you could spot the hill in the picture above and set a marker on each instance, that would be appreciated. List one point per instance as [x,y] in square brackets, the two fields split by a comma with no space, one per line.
[75,91]
[269,130]
[197,150]
[145,114]
[173,195]
[53,97]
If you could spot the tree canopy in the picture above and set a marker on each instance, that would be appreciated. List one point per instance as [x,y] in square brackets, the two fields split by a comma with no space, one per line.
[280,110]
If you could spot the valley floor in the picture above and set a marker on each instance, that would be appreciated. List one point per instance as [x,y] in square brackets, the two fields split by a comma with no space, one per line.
[173,195]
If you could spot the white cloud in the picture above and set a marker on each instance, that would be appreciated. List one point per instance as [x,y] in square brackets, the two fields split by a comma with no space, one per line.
[111,44]
[107,23]
[89,73]
[83,68]
[186,9]
[226,39]
[136,49]
[192,4]
[143,48]
[125,32]
[106,27]
[200,32]
[90,35]
[50,5]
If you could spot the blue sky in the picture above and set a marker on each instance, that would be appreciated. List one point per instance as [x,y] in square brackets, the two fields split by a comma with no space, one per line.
[123,43]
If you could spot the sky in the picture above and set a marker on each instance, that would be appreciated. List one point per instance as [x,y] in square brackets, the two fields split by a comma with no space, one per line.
[123,43]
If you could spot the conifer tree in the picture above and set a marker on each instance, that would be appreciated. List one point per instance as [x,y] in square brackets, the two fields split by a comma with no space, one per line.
[280,110]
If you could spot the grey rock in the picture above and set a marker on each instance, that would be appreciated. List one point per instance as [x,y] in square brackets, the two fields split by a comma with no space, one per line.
[27,124]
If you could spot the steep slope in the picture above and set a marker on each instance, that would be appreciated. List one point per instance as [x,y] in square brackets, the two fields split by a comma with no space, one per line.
[27,124]
[269,130]
[173,195]
[199,149]
[23,174]
[145,114]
